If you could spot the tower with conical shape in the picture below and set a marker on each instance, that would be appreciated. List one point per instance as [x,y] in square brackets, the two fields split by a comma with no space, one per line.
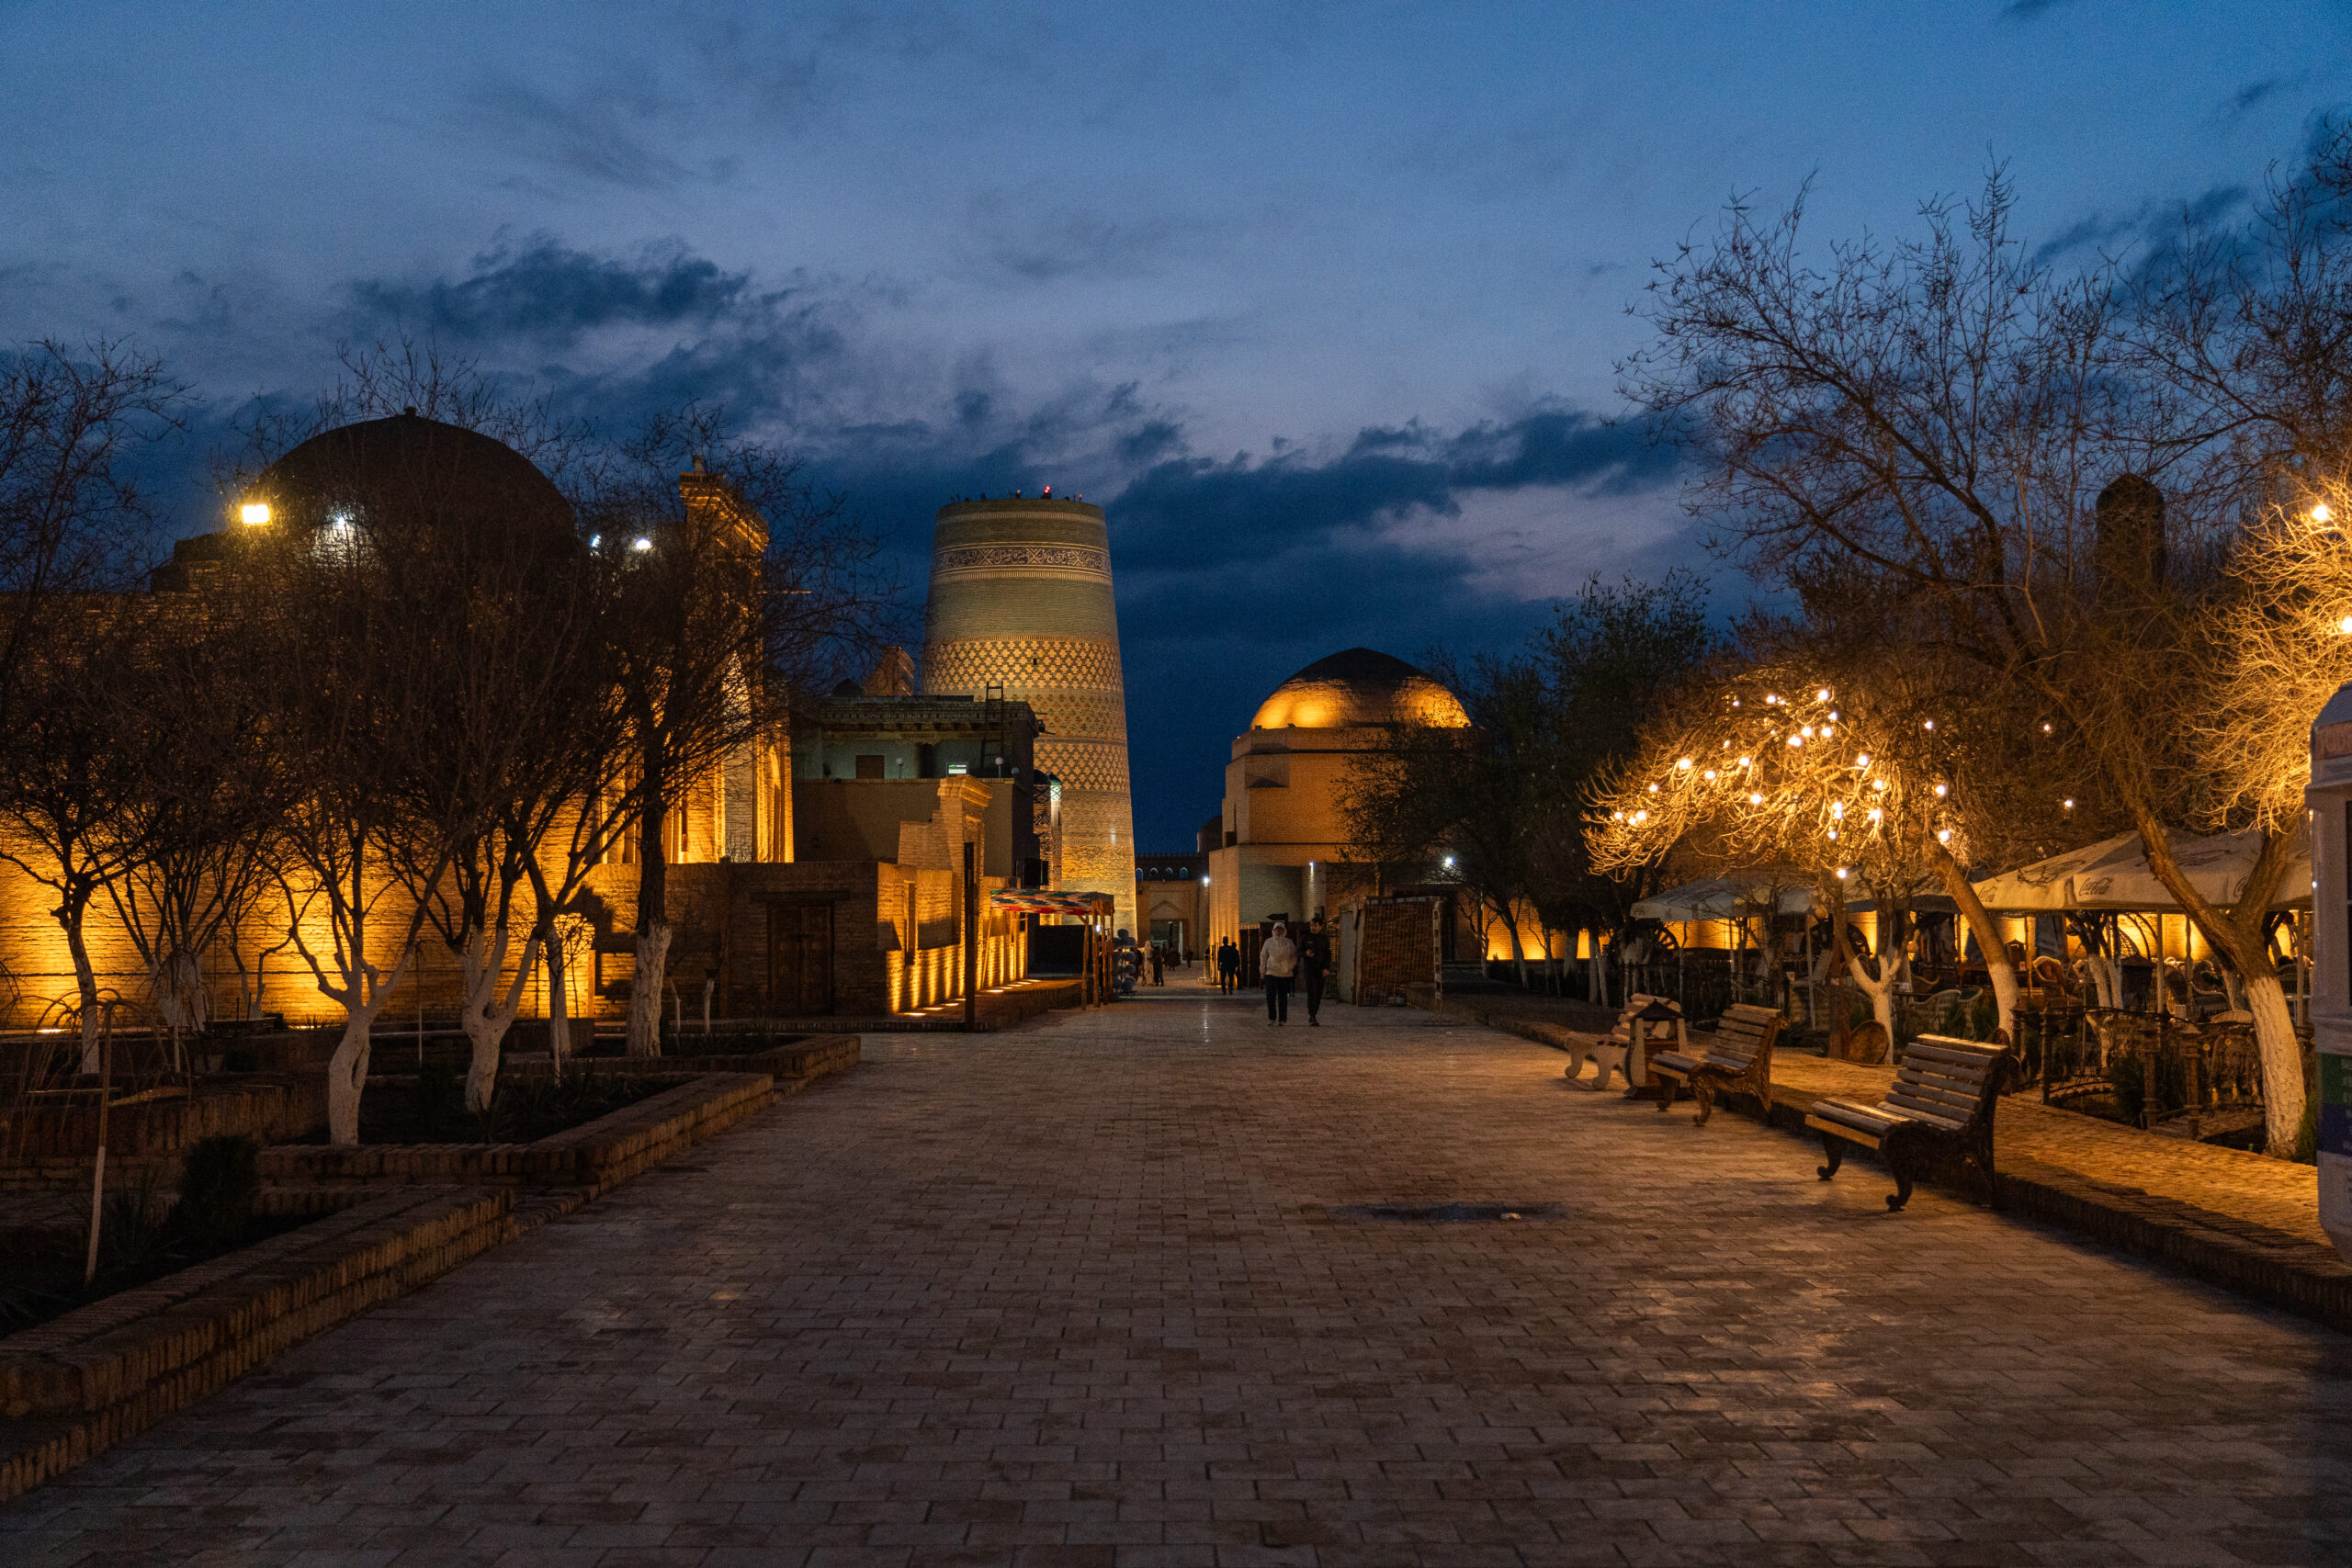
[1021,598]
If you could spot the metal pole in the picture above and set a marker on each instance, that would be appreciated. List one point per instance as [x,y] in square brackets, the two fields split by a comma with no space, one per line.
[971,939]
[99,1168]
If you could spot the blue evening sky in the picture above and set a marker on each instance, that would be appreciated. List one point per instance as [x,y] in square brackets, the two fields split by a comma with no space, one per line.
[1322,300]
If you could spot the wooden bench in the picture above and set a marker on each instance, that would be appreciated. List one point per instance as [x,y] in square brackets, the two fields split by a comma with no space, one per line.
[1738,1055]
[1941,1105]
[1612,1049]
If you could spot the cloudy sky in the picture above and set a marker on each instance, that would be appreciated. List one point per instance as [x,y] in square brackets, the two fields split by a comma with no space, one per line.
[1321,300]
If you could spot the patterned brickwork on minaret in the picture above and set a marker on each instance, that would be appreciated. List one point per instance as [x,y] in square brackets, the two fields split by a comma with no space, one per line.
[1021,597]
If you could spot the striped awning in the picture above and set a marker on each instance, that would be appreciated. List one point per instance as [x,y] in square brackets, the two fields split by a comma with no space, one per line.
[1038,901]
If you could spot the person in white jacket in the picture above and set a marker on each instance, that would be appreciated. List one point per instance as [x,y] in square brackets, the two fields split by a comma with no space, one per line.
[1278,961]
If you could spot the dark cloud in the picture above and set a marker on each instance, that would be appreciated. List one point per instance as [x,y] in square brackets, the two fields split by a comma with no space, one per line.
[549,295]
[1194,508]
[1233,571]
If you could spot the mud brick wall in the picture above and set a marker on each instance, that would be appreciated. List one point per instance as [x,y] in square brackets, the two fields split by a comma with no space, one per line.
[1400,948]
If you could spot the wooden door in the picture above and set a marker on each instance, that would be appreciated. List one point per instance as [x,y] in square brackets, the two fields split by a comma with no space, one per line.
[800,958]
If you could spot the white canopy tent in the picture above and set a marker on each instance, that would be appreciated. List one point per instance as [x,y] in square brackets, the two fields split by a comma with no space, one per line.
[2114,875]
[1723,898]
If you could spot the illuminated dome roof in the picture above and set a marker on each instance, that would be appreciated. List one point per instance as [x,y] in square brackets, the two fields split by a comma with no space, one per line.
[1359,687]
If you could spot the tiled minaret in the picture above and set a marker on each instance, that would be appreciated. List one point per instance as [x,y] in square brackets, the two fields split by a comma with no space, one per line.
[1021,596]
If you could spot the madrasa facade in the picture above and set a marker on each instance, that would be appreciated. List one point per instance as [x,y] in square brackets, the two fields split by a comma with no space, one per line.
[818,871]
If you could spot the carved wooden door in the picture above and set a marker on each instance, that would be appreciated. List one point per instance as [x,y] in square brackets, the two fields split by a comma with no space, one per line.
[800,958]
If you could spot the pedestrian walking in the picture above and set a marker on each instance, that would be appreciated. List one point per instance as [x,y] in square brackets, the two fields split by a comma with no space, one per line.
[1314,964]
[1278,961]
[1159,958]
[1228,966]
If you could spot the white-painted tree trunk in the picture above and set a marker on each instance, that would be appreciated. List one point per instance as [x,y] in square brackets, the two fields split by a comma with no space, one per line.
[2105,978]
[178,984]
[1880,992]
[347,1075]
[1988,941]
[485,1014]
[2282,1061]
[645,990]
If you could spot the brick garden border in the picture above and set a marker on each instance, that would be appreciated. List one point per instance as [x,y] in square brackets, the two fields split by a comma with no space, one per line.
[794,1065]
[2278,1269]
[594,1156]
[402,1215]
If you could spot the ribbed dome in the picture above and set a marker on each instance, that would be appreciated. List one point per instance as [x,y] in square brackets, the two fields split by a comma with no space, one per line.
[1360,686]
[421,473]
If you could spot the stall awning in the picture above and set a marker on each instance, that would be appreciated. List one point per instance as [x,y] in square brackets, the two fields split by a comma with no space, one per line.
[2114,875]
[1723,898]
[1046,901]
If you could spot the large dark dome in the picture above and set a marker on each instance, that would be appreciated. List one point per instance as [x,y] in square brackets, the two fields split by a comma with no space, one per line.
[1358,687]
[411,473]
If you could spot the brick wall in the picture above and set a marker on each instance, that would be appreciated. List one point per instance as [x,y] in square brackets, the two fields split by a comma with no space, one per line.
[1400,946]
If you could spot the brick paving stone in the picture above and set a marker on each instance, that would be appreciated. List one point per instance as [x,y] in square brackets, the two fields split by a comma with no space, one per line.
[1080,1294]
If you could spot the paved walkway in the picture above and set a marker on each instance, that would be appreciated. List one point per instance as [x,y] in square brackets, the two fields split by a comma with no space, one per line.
[1082,1293]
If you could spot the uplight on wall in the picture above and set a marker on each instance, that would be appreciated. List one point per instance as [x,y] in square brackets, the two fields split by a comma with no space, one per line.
[255,513]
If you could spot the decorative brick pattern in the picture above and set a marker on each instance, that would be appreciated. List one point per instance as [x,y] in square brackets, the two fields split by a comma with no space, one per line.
[994,558]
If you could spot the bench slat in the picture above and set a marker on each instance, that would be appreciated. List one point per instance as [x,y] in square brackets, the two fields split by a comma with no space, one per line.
[1929,1110]
[1961,1054]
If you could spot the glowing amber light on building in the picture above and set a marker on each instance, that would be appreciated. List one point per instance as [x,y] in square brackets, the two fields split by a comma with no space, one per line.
[255,512]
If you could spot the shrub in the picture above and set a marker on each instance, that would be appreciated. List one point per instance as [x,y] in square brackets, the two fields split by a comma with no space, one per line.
[131,1226]
[220,1184]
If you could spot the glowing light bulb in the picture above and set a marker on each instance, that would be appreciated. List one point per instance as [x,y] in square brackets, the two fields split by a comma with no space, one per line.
[255,512]
[1863,760]
[1944,835]
[1806,732]
[1744,763]
[2345,626]
[1940,790]
[2070,803]
[1755,800]
[2321,514]
[1822,695]
[1841,874]
[1838,808]
[1796,740]
[1875,814]
[640,544]
[1653,789]
[1930,724]
[1683,763]
[1711,775]
[2045,729]
[1616,817]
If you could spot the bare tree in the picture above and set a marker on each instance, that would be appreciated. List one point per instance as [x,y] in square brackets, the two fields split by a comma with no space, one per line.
[195,830]
[1765,765]
[524,689]
[73,516]
[1945,417]
[742,583]
[66,774]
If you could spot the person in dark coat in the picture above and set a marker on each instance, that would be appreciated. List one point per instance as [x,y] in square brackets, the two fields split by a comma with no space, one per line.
[1314,964]
[1228,966]
[1159,959]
